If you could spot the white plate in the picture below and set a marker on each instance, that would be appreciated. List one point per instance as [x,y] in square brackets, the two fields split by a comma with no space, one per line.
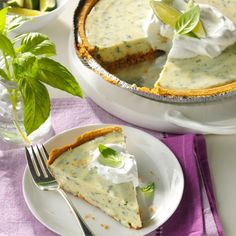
[155,163]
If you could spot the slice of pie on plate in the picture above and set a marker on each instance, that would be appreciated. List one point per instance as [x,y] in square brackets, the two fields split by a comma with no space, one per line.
[82,169]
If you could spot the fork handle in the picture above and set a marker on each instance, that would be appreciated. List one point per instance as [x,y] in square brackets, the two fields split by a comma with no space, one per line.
[83,226]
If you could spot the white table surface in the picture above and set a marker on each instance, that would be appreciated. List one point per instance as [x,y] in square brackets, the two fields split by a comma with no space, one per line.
[221,149]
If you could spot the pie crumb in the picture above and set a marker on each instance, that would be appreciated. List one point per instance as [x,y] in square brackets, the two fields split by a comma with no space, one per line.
[88,217]
[151,209]
[105,226]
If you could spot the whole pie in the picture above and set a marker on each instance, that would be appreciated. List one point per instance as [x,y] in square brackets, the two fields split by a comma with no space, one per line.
[120,33]
[109,184]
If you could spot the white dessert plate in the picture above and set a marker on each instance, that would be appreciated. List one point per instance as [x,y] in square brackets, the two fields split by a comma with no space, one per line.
[156,163]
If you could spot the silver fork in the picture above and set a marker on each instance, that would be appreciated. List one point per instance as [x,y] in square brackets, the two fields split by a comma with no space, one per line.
[45,181]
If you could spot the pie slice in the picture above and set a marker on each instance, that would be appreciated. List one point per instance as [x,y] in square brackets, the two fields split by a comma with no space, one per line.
[199,76]
[74,169]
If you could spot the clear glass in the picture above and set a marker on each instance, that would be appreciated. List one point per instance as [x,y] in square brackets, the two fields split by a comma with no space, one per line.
[11,118]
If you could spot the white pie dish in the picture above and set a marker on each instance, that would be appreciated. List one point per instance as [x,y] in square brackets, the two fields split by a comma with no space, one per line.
[203,117]
[156,163]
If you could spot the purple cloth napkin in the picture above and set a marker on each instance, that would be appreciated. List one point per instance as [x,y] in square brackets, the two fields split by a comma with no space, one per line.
[195,216]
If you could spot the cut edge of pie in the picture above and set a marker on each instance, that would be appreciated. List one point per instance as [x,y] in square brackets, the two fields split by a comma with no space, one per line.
[85,50]
[85,137]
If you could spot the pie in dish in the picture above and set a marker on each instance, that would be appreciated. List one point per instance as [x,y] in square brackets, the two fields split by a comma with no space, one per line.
[116,34]
[112,37]
[79,171]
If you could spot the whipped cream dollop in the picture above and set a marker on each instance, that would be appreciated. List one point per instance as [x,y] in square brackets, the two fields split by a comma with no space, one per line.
[220,30]
[127,172]
[159,35]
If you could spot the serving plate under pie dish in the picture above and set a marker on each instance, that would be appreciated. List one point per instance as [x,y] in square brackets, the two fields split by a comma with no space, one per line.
[158,164]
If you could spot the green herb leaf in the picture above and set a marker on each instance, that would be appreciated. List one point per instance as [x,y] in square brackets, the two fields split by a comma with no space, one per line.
[35,95]
[57,76]
[25,66]
[17,38]
[188,21]
[109,156]
[106,151]
[36,103]
[6,46]
[148,188]
[3,74]
[190,5]
[38,44]
[3,17]
[15,21]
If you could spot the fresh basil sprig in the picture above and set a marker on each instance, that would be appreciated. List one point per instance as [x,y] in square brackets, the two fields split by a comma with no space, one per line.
[27,63]
[188,21]
[148,189]
[109,156]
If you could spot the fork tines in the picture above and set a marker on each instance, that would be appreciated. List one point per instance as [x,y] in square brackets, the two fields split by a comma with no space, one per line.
[36,158]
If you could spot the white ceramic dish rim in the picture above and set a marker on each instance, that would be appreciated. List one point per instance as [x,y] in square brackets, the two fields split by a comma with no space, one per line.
[51,140]
[58,8]
[38,22]
[97,68]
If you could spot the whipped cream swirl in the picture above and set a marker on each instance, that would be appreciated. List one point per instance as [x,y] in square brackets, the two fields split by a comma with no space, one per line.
[220,30]
[127,172]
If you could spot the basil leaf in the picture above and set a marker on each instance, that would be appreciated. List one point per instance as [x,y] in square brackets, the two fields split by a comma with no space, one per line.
[35,95]
[3,74]
[148,188]
[25,66]
[6,46]
[190,5]
[106,151]
[15,21]
[57,76]
[36,103]
[17,38]
[109,156]
[188,21]
[3,17]
[38,44]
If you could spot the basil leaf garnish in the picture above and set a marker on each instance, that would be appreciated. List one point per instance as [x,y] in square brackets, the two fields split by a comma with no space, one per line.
[188,21]
[148,188]
[109,156]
